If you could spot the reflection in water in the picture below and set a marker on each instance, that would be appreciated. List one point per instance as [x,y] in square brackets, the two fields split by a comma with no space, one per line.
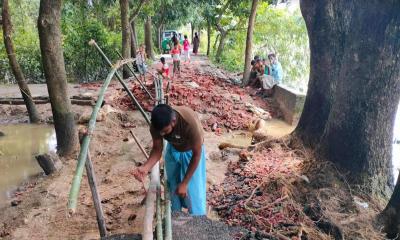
[17,153]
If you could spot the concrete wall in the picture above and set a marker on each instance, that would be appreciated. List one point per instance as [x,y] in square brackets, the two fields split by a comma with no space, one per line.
[290,103]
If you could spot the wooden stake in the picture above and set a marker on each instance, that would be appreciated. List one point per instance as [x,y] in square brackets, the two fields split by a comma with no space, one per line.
[96,197]
[139,145]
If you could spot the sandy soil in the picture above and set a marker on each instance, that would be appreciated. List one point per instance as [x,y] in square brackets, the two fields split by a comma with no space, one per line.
[42,211]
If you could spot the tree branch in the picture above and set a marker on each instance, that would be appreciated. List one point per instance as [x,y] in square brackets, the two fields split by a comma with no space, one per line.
[218,21]
[136,12]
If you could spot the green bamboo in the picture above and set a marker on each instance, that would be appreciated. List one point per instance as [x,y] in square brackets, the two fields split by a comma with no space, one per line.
[137,104]
[133,73]
[76,181]
[167,199]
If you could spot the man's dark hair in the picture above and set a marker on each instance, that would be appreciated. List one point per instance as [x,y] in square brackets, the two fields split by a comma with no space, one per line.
[271,55]
[162,116]
[256,57]
[252,62]
[162,59]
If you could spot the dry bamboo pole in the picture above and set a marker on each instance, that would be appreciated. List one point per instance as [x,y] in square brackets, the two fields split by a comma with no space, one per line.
[139,145]
[159,230]
[134,100]
[147,233]
[167,200]
[158,196]
[133,73]
[96,196]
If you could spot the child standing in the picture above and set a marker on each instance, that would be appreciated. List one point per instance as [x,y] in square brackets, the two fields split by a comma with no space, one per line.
[176,57]
[141,62]
[164,68]
[186,46]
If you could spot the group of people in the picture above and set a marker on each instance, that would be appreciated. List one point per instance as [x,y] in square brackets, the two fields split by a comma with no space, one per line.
[176,53]
[265,74]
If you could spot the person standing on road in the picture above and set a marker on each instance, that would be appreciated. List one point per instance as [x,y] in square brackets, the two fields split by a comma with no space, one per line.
[185,158]
[186,46]
[196,44]
[141,62]
[176,59]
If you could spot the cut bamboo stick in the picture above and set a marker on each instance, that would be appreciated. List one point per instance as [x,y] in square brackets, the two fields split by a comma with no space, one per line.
[96,196]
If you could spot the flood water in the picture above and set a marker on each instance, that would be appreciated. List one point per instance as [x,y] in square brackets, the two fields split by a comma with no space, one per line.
[18,147]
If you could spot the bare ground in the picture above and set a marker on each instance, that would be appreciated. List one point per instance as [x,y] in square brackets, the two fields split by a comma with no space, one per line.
[42,211]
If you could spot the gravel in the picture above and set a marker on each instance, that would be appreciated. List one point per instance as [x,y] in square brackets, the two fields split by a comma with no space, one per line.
[186,227]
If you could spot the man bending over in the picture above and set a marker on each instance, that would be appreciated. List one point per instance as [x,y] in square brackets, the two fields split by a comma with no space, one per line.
[185,159]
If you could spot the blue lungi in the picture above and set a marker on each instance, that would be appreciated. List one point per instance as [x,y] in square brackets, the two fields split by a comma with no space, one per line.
[176,164]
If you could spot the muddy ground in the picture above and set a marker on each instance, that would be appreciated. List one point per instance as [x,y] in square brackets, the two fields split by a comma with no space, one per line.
[277,189]
[41,212]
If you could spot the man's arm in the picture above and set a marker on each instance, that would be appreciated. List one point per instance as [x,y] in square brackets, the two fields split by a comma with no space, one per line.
[155,155]
[196,155]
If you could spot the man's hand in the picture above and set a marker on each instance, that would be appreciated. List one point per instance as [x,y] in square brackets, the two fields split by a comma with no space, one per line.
[140,173]
[181,190]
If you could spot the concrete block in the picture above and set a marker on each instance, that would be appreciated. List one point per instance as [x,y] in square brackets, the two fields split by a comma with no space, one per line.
[290,103]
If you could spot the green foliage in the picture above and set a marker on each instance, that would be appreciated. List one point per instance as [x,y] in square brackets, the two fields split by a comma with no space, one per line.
[26,42]
[276,31]
[82,61]
[80,23]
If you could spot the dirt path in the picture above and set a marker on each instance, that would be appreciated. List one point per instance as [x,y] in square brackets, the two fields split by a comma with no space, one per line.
[42,212]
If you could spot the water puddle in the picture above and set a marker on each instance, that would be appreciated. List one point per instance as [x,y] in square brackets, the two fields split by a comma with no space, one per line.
[18,147]
[275,128]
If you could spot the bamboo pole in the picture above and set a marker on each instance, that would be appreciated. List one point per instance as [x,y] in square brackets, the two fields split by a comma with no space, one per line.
[146,117]
[139,145]
[133,73]
[167,199]
[147,233]
[76,181]
[96,197]
[158,216]
[158,195]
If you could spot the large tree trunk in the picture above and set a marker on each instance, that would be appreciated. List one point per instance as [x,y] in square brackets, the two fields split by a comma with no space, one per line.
[221,46]
[390,216]
[354,86]
[148,38]
[159,36]
[325,63]
[134,43]
[208,36]
[126,36]
[15,67]
[56,78]
[354,91]
[249,43]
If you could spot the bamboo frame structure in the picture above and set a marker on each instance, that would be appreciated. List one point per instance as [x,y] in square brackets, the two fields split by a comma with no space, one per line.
[134,100]
[154,191]
[167,201]
[133,72]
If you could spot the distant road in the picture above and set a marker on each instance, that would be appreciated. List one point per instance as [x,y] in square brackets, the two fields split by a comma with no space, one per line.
[12,91]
